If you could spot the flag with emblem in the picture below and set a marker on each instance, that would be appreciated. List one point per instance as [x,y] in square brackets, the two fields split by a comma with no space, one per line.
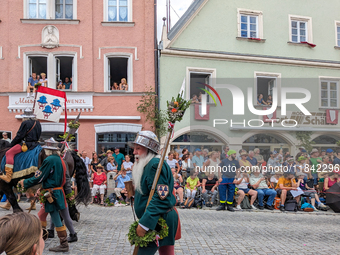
[49,104]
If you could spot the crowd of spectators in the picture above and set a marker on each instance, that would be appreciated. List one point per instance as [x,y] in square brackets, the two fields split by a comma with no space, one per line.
[227,178]
[99,166]
[280,179]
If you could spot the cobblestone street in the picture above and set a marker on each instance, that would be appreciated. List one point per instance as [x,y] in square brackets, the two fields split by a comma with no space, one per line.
[103,230]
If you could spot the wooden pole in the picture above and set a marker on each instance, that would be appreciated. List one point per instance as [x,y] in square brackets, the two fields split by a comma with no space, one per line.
[158,173]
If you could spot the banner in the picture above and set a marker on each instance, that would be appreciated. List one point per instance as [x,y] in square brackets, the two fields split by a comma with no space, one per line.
[48,104]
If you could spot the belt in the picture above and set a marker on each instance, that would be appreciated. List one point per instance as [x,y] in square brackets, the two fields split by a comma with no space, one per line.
[169,210]
[51,189]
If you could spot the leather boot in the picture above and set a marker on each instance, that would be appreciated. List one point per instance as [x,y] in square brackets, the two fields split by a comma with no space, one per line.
[72,238]
[221,207]
[33,206]
[7,206]
[9,172]
[63,247]
[45,233]
[51,233]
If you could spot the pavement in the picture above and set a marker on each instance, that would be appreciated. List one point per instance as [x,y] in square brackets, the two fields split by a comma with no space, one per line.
[103,230]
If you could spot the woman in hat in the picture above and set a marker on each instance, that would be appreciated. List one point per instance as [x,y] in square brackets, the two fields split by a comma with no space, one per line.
[99,183]
[309,192]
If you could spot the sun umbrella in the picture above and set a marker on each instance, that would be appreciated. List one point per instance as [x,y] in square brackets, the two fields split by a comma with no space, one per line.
[333,197]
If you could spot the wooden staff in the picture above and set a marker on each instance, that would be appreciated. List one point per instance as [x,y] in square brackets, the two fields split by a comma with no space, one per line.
[158,173]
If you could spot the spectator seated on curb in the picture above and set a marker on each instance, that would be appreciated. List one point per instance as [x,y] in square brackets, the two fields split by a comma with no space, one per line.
[99,183]
[274,179]
[242,185]
[192,184]
[177,185]
[209,187]
[121,177]
[308,192]
[285,184]
[259,183]
[333,177]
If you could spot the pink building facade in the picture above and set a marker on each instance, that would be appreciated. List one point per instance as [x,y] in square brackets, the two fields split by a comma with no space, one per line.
[96,43]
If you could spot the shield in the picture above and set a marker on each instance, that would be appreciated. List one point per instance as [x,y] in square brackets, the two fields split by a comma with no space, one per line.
[333,197]
[163,191]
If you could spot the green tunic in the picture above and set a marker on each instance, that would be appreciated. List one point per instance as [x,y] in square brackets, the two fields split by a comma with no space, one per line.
[51,175]
[157,206]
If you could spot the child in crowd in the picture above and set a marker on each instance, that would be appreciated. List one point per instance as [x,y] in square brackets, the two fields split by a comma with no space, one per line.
[128,165]
[192,183]
[308,192]
[111,167]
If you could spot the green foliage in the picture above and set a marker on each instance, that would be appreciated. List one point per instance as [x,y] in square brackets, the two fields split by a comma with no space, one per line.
[70,138]
[176,108]
[20,189]
[150,236]
[338,143]
[304,137]
[148,106]
[70,202]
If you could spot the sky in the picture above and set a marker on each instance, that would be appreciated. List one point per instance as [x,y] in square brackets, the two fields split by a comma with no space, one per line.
[179,7]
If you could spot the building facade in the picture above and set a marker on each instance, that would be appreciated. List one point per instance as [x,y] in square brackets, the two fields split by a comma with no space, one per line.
[246,48]
[91,43]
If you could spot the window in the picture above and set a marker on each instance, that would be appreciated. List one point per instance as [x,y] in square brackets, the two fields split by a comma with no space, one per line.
[197,81]
[250,24]
[300,29]
[57,136]
[37,9]
[64,71]
[56,66]
[264,84]
[37,65]
[109,141]
[118,66]
[329,94]
[64,9]
[118,69]
[51,9]
[118,10]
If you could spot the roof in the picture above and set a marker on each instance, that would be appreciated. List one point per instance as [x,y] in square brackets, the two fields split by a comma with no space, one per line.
[196,4]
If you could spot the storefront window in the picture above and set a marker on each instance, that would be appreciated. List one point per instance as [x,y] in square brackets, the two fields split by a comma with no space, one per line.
[197,140]
[108,141]
[263,138]
[325,139]
[57,136]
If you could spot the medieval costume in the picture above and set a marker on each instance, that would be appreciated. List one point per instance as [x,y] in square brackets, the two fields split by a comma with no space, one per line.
[52,175]
[28,133]
[162,203]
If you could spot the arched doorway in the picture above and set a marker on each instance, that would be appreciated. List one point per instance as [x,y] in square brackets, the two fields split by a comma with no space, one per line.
[266,143]
[197,139]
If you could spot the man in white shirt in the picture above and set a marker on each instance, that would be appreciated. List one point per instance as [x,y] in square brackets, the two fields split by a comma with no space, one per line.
[86,161]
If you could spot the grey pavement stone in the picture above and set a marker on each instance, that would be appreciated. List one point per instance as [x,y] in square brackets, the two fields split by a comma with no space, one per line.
[103,230]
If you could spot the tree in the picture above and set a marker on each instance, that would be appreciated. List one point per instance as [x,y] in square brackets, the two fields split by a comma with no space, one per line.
[158,118]
[304,137]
